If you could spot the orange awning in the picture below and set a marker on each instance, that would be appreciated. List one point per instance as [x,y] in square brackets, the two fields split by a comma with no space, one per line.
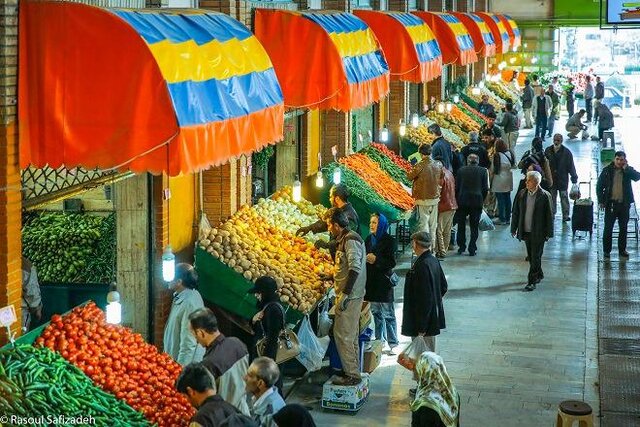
[323,59]
[513,30]
[409,46]
[480,33]
[498,29]
[454,39]
[143,90]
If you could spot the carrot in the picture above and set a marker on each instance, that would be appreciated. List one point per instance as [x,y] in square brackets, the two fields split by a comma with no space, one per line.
[404,164]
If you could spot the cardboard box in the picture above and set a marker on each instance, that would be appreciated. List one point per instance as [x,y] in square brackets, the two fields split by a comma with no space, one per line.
[345,398]
[372,356]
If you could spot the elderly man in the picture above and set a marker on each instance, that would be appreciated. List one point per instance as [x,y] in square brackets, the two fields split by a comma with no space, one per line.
[532,222]
[472,186]
[260,380]
[527,102]
[574,125]
[562,167]
[427,179]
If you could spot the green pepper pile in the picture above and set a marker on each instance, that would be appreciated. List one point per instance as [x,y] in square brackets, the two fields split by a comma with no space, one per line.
[387,165]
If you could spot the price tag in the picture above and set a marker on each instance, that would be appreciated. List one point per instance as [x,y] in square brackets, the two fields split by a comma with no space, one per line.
[7,316]
[334,150]
[250,169]
[166,194]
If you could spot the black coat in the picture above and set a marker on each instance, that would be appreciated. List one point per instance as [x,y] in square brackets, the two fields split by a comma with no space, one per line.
[424,287]
[562,166]
[379,287]
[270,326]
[472,185]
[213,412]
[542,224]
[479,150]
[605,184]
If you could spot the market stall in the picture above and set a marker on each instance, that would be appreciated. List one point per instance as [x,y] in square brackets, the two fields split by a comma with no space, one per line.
[512,29]
[483,41]
[498,30]
[453,37]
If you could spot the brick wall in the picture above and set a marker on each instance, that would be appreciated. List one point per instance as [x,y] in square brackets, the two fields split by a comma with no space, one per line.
[462,5]
[398,109]
[343,5]
[335,130]
[398,5]
[479,68]
[434,88]
[435,5]
[220,191]
[161,296]
[482,5]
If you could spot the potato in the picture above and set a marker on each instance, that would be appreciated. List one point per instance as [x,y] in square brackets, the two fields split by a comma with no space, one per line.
[247,275]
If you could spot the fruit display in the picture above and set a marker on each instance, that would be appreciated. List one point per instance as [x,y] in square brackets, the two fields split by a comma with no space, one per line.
[392,191]
[387,165]
[460,118]
[120,362]
[420,135]
[498,103]
[451,131]
[71,248]
[253,247]
[36,382]
[399,161]
[472,113]
[502,91]
[304,206]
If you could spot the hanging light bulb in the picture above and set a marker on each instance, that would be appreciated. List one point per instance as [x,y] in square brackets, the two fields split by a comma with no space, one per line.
[319,180]
[476,91]
[512,60]
[296,192]
[481,84]
[456,98]
[502,65]
[441,107]
[526,45]
[534,60]
[114,308]
[415,120]
[514,50]
[449,107]
[337,176]
[402,130]
[384,134]
[168,264]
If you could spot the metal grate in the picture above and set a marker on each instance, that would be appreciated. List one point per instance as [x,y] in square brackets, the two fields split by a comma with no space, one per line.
[623,347]
[620,389]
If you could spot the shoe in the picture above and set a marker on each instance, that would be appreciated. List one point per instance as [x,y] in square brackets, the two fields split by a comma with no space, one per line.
[347,381]
[606,255]
[624,254]
[530,287]
[566,219]
[391,351]
[472,253]
[441,257]
[460,251]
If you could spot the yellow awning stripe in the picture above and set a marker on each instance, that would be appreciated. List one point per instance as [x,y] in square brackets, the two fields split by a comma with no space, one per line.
[355,43]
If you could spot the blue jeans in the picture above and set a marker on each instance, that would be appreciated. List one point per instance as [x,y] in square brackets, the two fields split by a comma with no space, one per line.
[541,126]
[384,318]
[551,124]
[504,206]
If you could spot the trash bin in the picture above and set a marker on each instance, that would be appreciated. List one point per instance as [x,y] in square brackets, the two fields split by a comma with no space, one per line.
[334,357]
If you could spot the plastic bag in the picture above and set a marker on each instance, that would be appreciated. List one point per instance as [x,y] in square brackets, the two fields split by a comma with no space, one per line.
[204,228]
[324,320]
[409,357]
[574,194]
[312,348]
[485,223]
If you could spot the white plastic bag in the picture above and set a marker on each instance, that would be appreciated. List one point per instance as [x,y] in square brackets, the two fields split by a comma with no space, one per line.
[485,223]
[312,348]
[324,320]
[205,227]
[409,357]
[574,194]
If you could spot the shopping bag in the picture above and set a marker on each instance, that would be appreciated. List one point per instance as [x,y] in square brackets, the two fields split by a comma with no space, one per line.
[312,348]
[204,230]
[574,194]
[485,223]
[410,356]
[324,321]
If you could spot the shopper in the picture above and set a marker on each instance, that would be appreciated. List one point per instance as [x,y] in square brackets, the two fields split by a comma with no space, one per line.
[562,167]
[605,120]
[555,109]
[381,258]
[350,284]
[427,178]
[536,157]
[598,97]
[541,108]
[477,148]
[424,287]
[198,385]
[490,124]
[436,403]
[441,147]
[260,380]
[588,98]
[532,221]
[179,343]
[570,97]
[31,296]
[489,142]
[226,358]
[294,415]
[510,125]
[472,186]
[574,124]
[484,107]
[615,196]
[502,180]
[446,211]
[527,103]
[269,321]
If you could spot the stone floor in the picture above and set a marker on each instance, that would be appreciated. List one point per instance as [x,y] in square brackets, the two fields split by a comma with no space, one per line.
[513,356]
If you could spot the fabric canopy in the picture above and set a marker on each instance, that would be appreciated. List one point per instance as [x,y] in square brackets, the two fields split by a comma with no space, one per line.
[512,29]
[454,39]
[323,59]
[409,46]
[480,33]
[143,90]
[498,29]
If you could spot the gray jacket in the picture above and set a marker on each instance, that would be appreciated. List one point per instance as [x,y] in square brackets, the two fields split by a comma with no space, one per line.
[263,409]
[588,91]
[179,343]
[351,255]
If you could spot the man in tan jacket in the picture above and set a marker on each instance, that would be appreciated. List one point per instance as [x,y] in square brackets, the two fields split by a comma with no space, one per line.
[427,177]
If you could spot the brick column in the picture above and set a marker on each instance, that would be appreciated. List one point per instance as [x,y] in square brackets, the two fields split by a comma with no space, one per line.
[342,5]
[398,109]
[462,5]
[220,191]
[434,88]
[10,184]
[482,5]
[435,5]
[160,226]
[223,6]
[398,5]
[335,130]
[479,68]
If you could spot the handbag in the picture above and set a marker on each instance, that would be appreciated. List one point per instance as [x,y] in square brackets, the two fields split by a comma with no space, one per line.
[393,279]
[288,343]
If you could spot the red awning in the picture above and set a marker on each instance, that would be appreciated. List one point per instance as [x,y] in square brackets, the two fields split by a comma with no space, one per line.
[454,39]
[143,90]
[498,30]
[480,33]
[323,59]
[512,29]
[409,46]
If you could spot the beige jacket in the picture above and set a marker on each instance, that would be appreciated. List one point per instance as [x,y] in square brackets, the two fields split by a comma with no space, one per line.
[427,177]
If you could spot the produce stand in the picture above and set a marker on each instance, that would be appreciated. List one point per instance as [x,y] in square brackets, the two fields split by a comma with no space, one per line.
[59,298]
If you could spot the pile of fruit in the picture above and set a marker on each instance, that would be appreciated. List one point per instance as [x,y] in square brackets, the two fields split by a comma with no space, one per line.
[285,215]
[461,119]
[36,382]
[121,363]
[472,113]
[449,128]
[387,165]
[498,103]
[502,91]
[420,135]
[253,247]
[399,161]
[71,248]
[304,206]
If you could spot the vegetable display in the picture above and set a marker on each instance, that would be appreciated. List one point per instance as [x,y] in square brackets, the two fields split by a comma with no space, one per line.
[420,135]
[399,161]
[503,91]
[387,165]
[497,102]
[460,118]
[472,113]
[450,131]
[304,206]
[286,216]
[121,363]
[78,248]
[35,382]
[382,183]
[253,247]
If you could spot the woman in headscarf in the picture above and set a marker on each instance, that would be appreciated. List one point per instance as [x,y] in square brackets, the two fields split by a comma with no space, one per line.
[437,403]
[294,415]
[381,250]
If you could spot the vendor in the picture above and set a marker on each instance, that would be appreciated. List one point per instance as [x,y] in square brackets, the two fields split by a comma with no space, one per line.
[339,198]
[31,297]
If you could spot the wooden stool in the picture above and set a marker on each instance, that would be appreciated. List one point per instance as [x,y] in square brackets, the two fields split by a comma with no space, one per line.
[570,411]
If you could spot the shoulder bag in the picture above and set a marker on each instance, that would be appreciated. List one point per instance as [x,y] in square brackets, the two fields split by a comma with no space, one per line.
[288,343]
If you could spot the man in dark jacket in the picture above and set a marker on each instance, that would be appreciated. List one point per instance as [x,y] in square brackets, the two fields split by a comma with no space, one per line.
[476,147]
[441,147]
[491,124]
[527,99]
[199,386]
[598,97]
[571,98]
[484,107]
[532,222]
[555,109]
[615,196]
[424,287]
[605,120]
[510,126]
[472,185]
[562,166]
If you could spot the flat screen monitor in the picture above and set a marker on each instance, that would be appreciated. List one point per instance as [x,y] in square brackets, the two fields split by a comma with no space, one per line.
[623,12]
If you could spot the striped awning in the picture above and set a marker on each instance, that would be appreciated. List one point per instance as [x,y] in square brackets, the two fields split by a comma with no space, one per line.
[480,33]
[453,37]
[513,30]
[149,90]
[323,59]
[410,48]
[498,29]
